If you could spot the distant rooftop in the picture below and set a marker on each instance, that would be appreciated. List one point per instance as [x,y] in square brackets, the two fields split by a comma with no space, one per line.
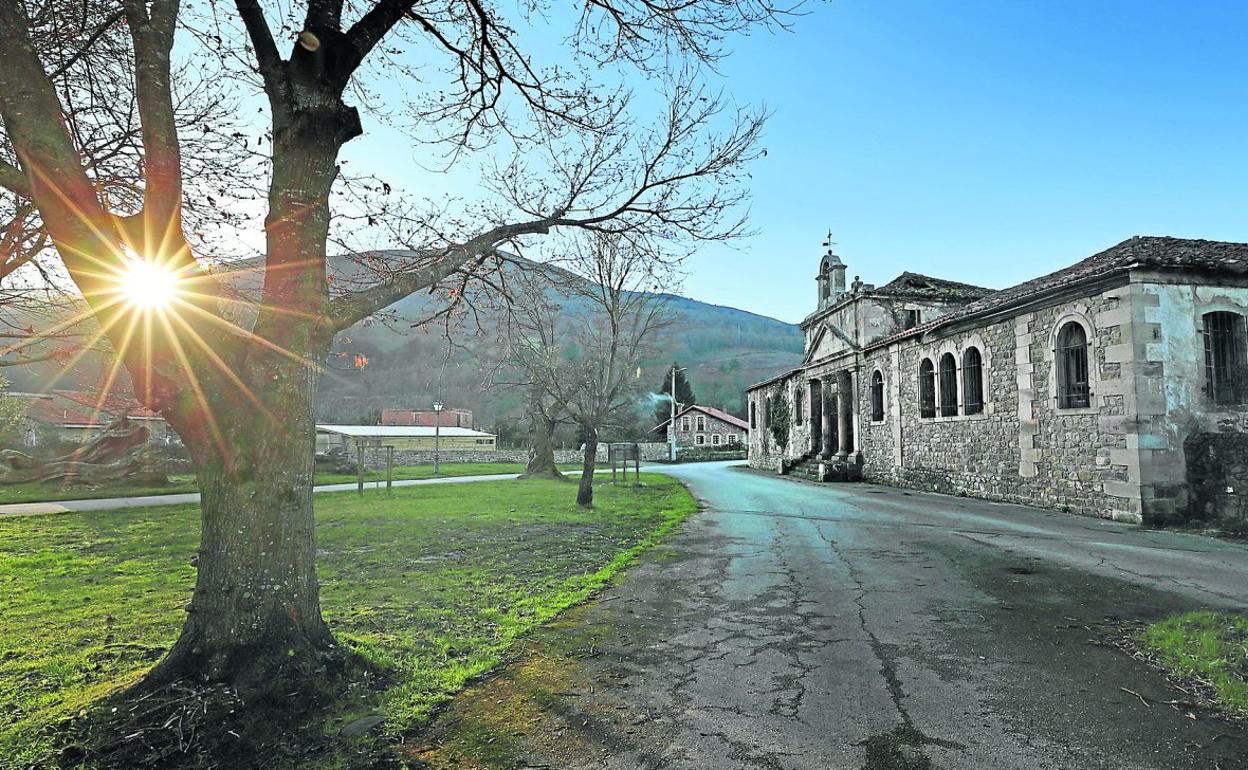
[1161,252]
[918,285]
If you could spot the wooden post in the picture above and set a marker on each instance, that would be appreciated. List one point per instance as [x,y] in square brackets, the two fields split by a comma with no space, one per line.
[359,467]
[389,468]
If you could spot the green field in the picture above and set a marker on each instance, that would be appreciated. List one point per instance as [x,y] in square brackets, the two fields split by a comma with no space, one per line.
[38,493]
[432,584]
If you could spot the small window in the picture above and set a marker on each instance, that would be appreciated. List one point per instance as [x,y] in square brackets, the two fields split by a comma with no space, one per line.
[877,396]
[972,382]
[684,423]
[797,404]
[948,386]
[732,438]
[913,318]
[1071,358]
[927,389]
[701,422]
[699,439]
[753,418]
[1226,374]
[714,438]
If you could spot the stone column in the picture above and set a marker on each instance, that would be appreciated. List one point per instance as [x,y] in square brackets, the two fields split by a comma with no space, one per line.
[829,445]
[845,405]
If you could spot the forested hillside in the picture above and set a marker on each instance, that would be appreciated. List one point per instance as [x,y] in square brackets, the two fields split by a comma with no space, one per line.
[390,363]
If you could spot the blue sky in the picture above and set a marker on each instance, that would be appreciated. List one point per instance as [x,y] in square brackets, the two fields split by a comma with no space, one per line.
[988,142]
[976,140]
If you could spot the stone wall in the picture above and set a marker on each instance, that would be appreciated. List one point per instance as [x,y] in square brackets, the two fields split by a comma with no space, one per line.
[1217,474]
[764,451]
[1121,457]
[376,457]
[1022,447]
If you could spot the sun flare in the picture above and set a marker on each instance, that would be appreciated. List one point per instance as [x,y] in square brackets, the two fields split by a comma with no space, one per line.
[148,285]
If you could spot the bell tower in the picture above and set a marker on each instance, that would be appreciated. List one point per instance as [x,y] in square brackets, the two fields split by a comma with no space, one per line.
[831,278]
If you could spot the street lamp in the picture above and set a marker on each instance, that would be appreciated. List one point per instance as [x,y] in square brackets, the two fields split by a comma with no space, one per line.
[437,433]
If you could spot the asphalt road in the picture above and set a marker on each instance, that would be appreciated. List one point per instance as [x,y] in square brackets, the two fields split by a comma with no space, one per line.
[795,625]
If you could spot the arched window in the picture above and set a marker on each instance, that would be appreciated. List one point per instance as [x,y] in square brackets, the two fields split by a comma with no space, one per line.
[1226,372]
[1071,359]
[877,396]
[948,385]
[972,381]
[927,389]
[797,403]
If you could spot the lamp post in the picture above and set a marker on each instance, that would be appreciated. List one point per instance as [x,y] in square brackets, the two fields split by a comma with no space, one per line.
[437,434]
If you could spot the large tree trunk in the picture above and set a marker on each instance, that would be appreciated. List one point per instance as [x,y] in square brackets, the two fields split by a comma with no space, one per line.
[541,446]
[585,491]
[254,619]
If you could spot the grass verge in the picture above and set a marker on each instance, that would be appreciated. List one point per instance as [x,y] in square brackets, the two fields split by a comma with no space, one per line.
[433,584]
[1210,647]
[180,484]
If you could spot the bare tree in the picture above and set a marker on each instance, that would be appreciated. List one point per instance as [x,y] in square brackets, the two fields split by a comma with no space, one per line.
[611,340]
[238,385]
[535,328]
[579,337]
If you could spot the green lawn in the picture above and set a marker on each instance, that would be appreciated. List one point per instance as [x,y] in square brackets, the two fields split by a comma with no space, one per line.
[433,583]
[426,472]
[38,493]
[1209,646]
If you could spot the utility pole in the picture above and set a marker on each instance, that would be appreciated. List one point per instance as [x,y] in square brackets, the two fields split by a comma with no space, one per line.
[671,426]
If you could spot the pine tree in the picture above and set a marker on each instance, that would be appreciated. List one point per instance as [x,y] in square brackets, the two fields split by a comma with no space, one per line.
[684,395]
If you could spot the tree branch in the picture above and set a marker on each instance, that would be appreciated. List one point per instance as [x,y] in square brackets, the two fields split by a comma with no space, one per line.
[13,179]
[268,60]
[152,33]
[105,25]
[355,306]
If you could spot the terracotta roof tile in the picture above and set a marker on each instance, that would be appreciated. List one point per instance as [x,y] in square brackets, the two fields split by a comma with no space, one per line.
[1140,251]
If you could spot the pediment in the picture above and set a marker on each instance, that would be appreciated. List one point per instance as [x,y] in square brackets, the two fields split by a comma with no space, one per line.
[828,341]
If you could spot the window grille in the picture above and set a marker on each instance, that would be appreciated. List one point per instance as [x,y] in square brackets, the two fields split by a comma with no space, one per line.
[1225,368]
[877,396]
[927,389]
[972,381]
[948,385]
[1071,359]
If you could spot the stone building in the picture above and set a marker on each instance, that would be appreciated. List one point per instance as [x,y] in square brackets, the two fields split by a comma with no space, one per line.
[1116,387]
[705,426]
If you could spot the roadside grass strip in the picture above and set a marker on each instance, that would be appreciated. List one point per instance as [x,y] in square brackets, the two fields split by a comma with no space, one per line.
[33,492]
[1210,647]
[433,584]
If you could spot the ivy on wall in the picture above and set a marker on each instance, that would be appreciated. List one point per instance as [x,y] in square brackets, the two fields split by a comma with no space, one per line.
[778,418]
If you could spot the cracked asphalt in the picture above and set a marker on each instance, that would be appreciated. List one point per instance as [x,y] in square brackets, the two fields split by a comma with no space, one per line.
[795,625]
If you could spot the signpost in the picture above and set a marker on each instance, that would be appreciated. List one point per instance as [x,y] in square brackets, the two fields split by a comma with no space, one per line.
[622,453]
